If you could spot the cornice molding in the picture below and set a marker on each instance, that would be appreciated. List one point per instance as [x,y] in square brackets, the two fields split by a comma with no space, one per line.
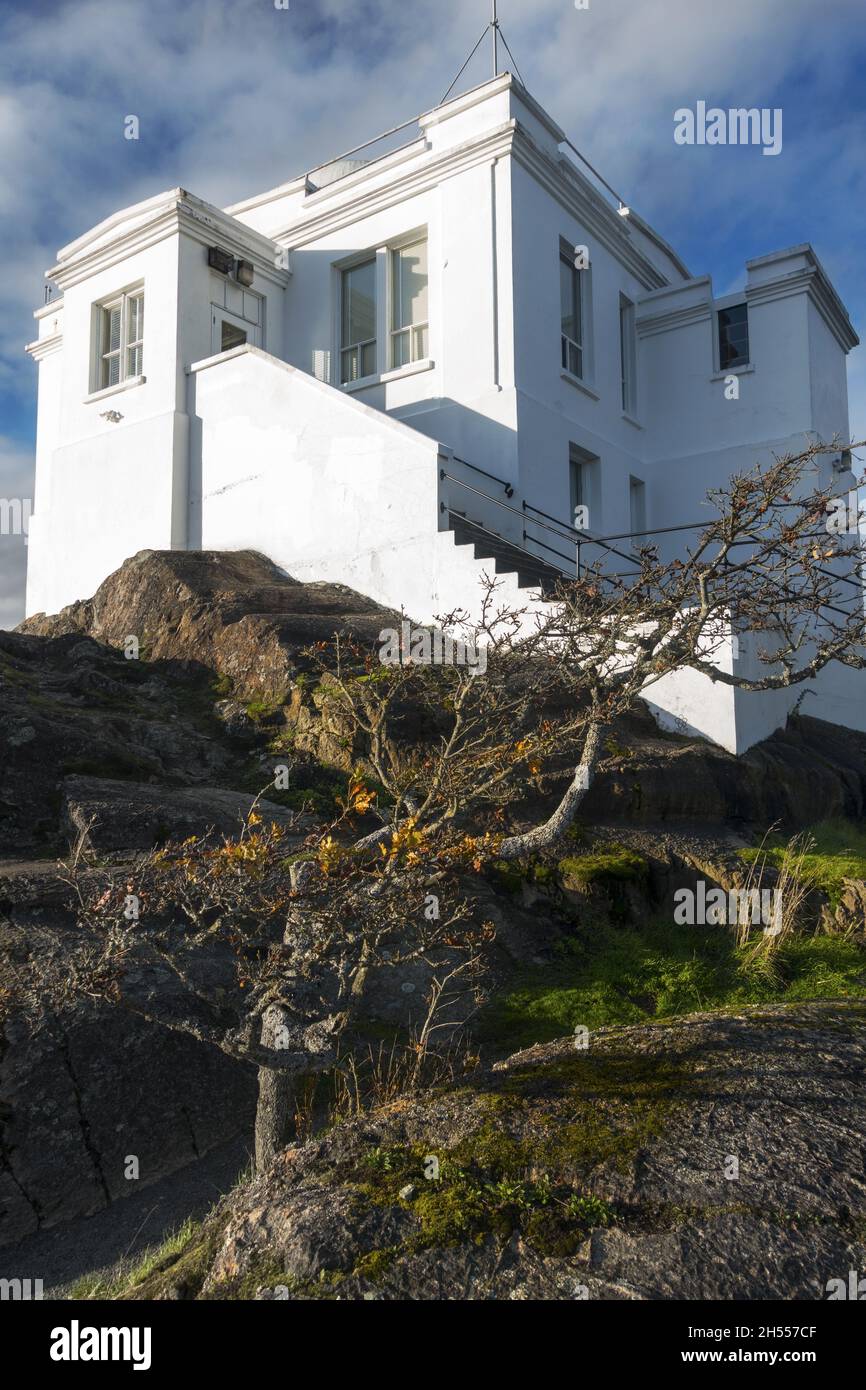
[53,306]
[670,319]
[410,150]
[169,218]
[577,195]
[813,282]
[466,100]
[45,347]
[492,145]
[558,177]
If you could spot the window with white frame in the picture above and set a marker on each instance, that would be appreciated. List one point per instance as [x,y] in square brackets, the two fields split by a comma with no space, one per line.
[571,313]
[627,355]
[358,321]
[409,316]
[637,511]
[120,339]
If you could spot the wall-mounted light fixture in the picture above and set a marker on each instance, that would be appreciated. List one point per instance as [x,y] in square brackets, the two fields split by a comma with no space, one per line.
[220,260]
[244,273]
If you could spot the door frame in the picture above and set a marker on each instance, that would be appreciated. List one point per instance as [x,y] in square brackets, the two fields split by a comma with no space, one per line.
[219,315]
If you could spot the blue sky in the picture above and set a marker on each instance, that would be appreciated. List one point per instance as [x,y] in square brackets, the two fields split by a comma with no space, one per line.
[234,96]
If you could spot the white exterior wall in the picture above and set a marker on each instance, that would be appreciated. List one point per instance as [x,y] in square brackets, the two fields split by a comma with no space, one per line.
[462,201]
[325,486]
[555,411]
[104,488]
[343,483]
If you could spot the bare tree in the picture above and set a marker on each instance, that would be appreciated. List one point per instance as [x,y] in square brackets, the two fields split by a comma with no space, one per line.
[768,563]
[267,955]
[215,938]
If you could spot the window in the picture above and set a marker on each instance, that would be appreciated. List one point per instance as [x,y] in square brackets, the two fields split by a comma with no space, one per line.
[121,339]
[409,321]
[733,337]
[358,331]
[627,355]
[231,335]
[637,510]
[571,314]
[582,475]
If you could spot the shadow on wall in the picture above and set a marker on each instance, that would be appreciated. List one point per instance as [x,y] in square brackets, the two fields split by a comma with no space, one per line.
[468,433]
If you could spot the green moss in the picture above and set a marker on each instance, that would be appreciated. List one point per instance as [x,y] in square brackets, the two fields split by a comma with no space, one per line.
[509,875]
[615,749]
[615,862]
[527,1164]
[314,788]
[376,1264]
[542,874]
[266,708]
[488,1186]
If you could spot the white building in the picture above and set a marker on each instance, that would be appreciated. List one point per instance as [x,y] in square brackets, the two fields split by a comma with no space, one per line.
[350,371]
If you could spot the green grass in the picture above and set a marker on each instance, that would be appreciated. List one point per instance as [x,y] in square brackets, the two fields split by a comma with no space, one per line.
[839,852]
[619,976]
[123,1280]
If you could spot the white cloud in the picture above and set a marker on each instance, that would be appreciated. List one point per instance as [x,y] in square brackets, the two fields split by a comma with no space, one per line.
[16,484]
[235,96]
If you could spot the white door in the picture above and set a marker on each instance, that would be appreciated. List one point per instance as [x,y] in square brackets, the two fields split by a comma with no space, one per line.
[230,331]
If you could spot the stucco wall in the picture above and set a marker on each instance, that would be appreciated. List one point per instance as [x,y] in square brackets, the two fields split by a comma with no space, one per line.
[326,487]
[111,496]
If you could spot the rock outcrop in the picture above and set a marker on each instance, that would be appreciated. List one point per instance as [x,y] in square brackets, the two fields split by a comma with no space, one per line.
[561,1174]
[238,618]
[716,1157]
[81,1096]
[138,815]
[234,612]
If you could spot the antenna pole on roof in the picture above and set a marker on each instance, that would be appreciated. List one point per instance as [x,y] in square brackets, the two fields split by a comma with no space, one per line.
[496,31]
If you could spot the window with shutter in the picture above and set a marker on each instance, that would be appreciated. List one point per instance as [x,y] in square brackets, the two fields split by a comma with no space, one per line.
[121,339]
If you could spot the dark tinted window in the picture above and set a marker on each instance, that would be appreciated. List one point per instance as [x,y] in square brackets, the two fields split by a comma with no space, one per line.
[734,336]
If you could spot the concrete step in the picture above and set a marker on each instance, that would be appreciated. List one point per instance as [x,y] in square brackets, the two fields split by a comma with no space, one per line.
[509,558]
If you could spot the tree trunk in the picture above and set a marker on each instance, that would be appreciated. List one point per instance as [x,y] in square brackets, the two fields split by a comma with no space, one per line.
[275,1114]
[545,835]
[275,1111]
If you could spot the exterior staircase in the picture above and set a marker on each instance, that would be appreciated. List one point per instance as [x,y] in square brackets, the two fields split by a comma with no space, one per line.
[531,571]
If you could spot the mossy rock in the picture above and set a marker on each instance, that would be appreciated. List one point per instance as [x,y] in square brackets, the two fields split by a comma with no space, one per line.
[613,864]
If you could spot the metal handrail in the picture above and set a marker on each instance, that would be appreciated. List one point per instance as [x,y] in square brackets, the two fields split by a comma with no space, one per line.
[581,538]
[509,490]
[366,145]
[477,492]
[553,551]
